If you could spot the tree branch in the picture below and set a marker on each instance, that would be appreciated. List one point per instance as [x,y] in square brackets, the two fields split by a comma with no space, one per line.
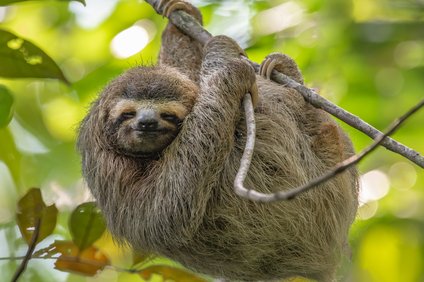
[191,27]
[29,252]
[339,168]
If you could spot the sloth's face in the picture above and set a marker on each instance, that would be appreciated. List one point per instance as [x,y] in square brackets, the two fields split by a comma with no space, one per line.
[145,127]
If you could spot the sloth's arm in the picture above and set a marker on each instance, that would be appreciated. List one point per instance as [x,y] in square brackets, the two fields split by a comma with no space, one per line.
[192,163]
[179,50]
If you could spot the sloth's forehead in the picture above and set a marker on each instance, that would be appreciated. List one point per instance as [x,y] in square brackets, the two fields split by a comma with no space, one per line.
[150,90]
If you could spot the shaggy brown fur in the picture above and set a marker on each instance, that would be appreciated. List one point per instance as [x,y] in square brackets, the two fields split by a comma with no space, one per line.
[179,202]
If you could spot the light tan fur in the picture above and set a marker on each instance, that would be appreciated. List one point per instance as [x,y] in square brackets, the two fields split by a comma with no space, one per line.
[180,203]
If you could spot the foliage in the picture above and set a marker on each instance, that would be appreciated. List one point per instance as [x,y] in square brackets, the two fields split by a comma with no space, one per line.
[21,58]
[368,57]
[31,209]
[6,106]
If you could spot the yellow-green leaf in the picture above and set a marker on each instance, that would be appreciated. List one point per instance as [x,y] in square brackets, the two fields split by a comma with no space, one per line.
[86,225]
[20,58]
[169,273]
[6,106]
[31,208]
[139,257]
[86,262]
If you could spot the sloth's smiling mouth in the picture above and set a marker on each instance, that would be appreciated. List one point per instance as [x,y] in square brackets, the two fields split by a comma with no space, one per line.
[151,132]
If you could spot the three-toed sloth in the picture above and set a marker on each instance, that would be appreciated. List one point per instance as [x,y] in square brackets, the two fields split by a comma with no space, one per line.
[161,147]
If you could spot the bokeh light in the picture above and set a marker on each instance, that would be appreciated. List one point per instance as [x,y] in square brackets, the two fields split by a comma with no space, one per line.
[278,18]
[130,41]
[403,176]
[93,13]
[409,54]
[367,210]
[374,185]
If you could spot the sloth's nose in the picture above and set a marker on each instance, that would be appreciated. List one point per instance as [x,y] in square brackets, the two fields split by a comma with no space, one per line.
[147,120]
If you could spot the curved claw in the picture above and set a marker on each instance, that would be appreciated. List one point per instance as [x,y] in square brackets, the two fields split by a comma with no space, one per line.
[263,67]
[267,67]
[172,6]
[281,63]
[167,7]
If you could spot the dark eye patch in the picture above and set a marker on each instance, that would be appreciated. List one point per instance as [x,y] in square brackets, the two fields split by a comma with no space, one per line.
[170,117]
[127,115]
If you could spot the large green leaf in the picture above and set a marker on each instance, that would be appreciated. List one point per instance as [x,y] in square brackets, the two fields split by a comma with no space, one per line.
[32,209]
[6,106]
[7,2]
[19,58]
[86,225]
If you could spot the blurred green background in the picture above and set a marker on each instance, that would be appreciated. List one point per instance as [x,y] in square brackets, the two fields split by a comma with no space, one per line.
[365,56]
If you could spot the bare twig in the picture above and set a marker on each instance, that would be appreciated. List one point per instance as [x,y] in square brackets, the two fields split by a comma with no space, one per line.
[352,120]
[191,27]
[340,167]
[248,149]
[29,252]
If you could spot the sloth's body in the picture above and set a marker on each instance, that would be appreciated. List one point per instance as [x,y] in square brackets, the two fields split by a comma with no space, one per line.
[165,184]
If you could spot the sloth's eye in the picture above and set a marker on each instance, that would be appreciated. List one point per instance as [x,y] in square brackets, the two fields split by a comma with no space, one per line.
[170,117]
[127,115]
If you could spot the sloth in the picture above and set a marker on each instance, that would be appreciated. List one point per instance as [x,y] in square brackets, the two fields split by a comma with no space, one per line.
[162,144]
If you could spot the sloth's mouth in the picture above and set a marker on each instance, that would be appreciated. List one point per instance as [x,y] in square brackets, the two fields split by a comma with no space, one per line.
[151,132]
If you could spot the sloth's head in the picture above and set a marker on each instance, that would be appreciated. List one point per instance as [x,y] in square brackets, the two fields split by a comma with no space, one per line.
[142,127]
[141,112]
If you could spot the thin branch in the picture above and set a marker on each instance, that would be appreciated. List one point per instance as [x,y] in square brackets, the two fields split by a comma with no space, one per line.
[191,27]
[13,258]
[80,260]
[352,120]
[248,149]
[29,252]
[339,168]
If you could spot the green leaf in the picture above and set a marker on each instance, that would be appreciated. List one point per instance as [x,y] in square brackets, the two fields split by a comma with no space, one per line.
[7,2]
[86,225]
[31,209]
[6,106]
[19,58]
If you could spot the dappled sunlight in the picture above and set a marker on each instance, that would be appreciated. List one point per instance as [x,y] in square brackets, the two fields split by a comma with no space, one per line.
[403,176]
[374,185]
[409,205]
[65,198]
[367,210]
[132,40]
[94,13]
[409,54]
[2,13]
[278,18]
[232,18]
